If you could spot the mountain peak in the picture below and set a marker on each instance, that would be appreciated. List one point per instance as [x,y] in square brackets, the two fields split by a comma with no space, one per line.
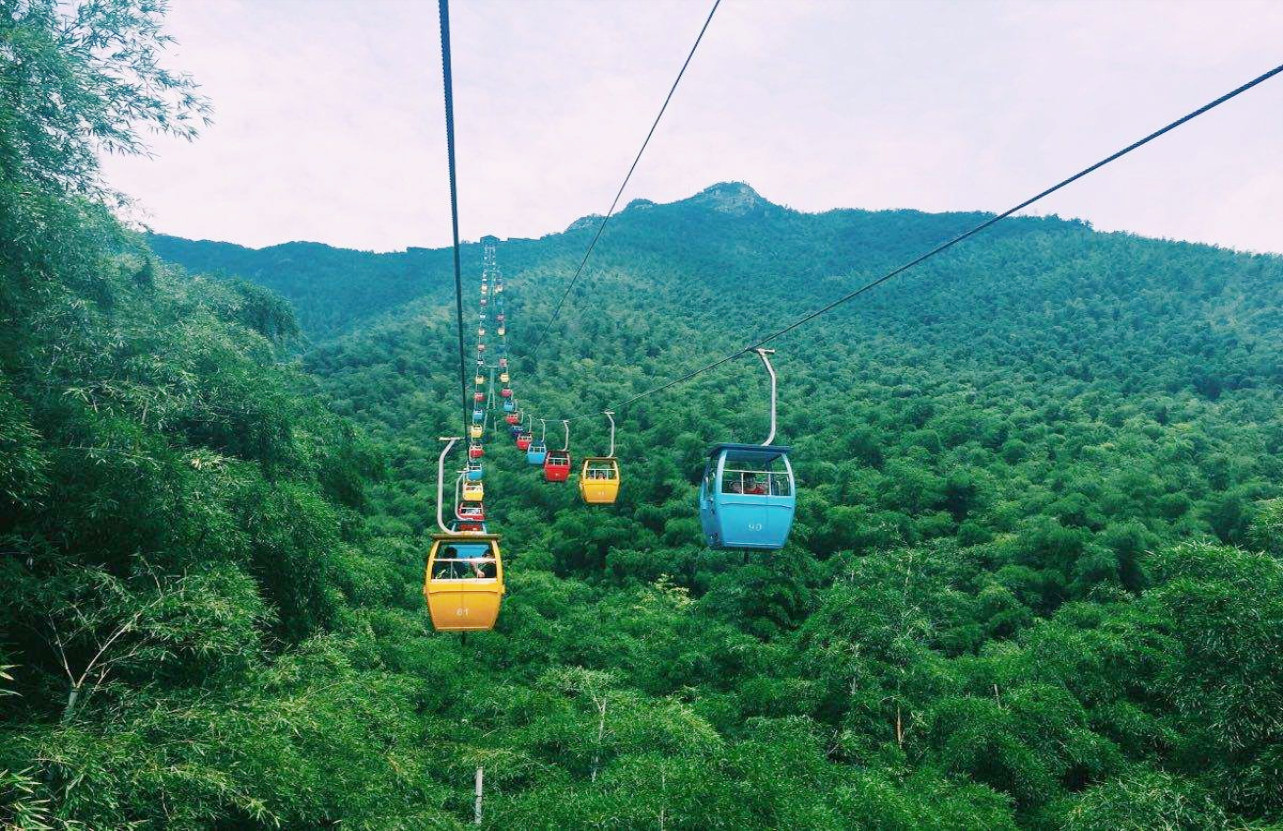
[736,198]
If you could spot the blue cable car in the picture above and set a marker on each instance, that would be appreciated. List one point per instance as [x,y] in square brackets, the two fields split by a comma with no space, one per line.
[747,497]
[478,416]
[509,405]
[537,453]
[475,472]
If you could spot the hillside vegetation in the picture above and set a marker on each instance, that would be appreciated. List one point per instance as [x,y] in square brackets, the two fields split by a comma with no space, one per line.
[1034,582]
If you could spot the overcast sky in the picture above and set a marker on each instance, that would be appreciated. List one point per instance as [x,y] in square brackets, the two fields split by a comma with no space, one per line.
[328,122]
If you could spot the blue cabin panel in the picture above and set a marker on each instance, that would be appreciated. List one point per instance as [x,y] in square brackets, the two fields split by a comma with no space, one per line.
[748,497]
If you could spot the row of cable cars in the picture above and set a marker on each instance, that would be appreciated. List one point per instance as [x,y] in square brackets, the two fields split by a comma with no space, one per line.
[747,500]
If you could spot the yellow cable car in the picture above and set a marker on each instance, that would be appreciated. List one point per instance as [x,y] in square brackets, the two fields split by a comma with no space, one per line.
[476,431]
[474,491]
[599,480]
[599,476]
[463,582]
[502,331]
[503,377]
[480,381]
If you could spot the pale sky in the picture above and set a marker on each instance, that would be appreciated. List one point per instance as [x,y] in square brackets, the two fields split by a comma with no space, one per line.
[329,123]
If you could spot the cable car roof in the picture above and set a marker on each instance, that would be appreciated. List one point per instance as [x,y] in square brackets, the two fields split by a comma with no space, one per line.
[749,452]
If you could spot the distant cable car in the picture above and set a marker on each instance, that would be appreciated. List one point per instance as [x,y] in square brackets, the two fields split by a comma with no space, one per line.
[523,440]
[509,406]
[538,450]
[599,476]
[556,467]
[503,363]
[463,578]
[481,333]
[481,347]
[512,418]
[503,377]
[480,380]
[476,451]
[476,431]
[747,497]
[502,330]
[483,301]
[506,392]
[458,526]
[478,416]
[499,318]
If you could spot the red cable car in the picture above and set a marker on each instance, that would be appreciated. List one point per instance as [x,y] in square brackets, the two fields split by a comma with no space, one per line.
[475,451]
[471,513]
[523,441]
[556,467]
[512,418]
[506,392]
[478,397]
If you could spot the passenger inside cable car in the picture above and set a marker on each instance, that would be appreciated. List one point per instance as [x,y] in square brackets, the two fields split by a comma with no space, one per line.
[464,561]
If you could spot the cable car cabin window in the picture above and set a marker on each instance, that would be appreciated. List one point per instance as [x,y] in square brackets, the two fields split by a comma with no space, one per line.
[757,482]
[600,470]
[464,561]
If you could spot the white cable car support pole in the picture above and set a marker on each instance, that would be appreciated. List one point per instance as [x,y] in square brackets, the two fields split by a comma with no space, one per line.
[763,353]
[610,414]
[450,442]
[565,422]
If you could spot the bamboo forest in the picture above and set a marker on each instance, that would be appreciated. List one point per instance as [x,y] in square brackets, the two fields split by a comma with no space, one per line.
[1010,556]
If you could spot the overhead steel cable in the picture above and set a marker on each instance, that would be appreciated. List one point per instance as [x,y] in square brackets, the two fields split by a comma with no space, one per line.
[944,246]
[448,83]
[543,335]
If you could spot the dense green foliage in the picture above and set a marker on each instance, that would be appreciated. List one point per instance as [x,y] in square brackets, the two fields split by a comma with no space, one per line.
[1035,579]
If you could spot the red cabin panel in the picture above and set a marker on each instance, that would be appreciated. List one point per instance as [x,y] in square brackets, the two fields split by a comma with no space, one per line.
[556,467]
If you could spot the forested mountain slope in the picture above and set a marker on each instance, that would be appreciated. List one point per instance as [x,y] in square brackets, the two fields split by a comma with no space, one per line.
[1019,467]
[1035,580]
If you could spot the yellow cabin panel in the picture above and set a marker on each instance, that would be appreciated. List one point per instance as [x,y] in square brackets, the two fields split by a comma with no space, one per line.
[463,583]
[474,491]
[599,480]
[476,431]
